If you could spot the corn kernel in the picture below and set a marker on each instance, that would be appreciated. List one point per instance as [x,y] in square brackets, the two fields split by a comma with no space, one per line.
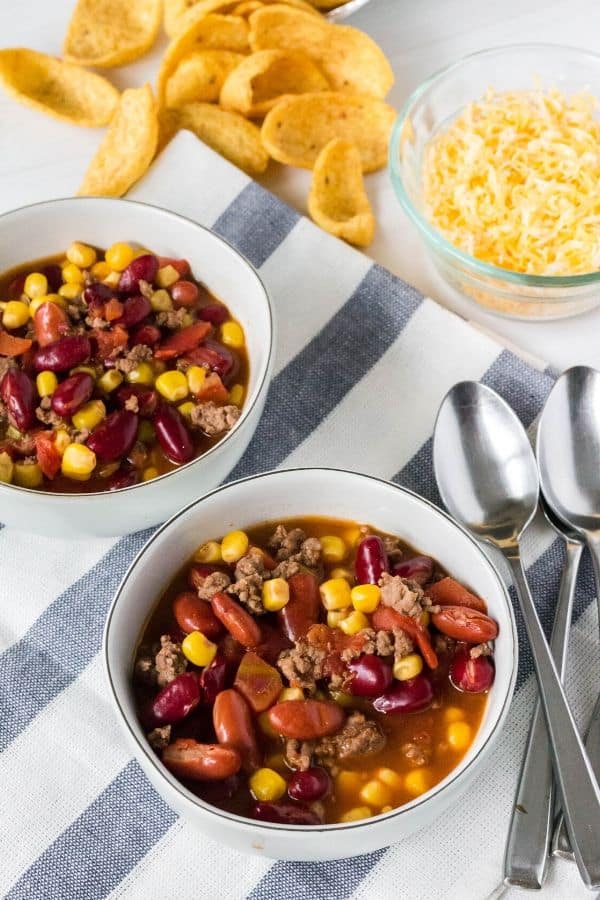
[333,548]
[210,553]
[110,381]
[62,439]
[146,432]
[89,415]
[47,298]
[453,714]
[275,594]
[417,782]
[81,255]
[408,667]
[15,315]
[366,597]
[342,572]
[290,694]
[342,699]
[354,622]
[100,270]
[27,475]
[70,291]
[196,376]
[232,335]
[236,395]
[172,385]
[161,301]
[149,473]
[335,616]
[112,279]
[356,813]
[265,725]
[348,782]
[36,285]
[187,408]
[166,276]
[335,593]
[376,793]
[119,255]
[46,383]
[143,373]
[389,777]
[424,618]
[78,462]
[6,468]
[267,784]
[72,274]
[108,469]
[459,735]
[198,649]
[234,545]
[352,535]
[88,370]
[386,809]
[142,251]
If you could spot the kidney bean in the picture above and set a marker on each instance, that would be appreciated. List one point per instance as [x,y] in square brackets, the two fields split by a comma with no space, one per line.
[176,700]
[448,592]
[18,393]
[146,334]
[215,313]
[408,696]
[172,434]
[471,675]
[465,624]
[53,275]
[186,758]
[419,569]
[63,354]
[181,266]
[144,268]
[72,393]
[232,721]
[284,813]
[273,643]
[184,293]
[122,478]
[115,436]
[258,682]
[194,614]
[236,620]
[96,295]
[371,560]
[303,607]
[146,397]
[309,786]
[17,286]
[306,720]
[371,675]
[50,323]
[135,310]
[215,356]
[213,679]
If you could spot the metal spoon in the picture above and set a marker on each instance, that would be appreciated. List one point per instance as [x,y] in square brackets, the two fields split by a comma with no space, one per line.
[487,476]
[526,857]
[345,10]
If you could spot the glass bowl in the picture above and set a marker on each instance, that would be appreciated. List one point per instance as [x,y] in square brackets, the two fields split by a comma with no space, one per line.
[431,108]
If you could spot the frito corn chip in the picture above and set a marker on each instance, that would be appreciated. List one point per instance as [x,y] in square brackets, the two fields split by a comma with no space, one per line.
[338,201]
[246,8]
[177,10]
[57,88]
[200,76]
[226,132]
[297,128]
[128,147]
[111,33]
[350,60]
[260,80]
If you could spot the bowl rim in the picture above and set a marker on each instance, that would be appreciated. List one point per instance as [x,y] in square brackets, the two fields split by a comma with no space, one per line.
[237,821]
[66,498]
[431,233]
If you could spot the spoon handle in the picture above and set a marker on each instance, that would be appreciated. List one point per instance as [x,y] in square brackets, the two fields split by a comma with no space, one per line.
[526,856]
[580,794]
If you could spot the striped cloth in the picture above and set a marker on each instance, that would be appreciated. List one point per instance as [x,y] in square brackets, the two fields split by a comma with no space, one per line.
[363,362]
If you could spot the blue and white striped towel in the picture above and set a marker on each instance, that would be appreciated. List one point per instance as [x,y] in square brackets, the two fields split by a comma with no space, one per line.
[362,364]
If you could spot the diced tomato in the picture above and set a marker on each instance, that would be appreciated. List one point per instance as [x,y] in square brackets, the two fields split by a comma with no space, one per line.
[385,618]
[14,346]
[183,341]
[113,309]
[259,682]
[47,455]
[212,389]
[110,340]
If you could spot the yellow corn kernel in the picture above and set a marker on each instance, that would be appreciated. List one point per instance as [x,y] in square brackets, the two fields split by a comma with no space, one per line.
[150,473]
[335,616]
[389,777]
[166,276]
[143,373]
[89,415]
[267,784]
[290,694]
[15,315]
[453,714]
[172,385]
[46,383]
[7,468]
[108,469]
[81,255]
[234,545]
[186,408]
[386,809]
[348,782]
[210,553]
[352,535]
[424,618]
[187,320]
[232,335]
[119,255]
[112,279]
[236,395]
[333,548]
[36,285]
[354,622]
[417,782]
[198,649]
[142,251]
[161,301]
[265,725]
[459,735]
[146,432]
[408,667]
[70,291]
[100,270]
[47,298]
[342,699]
[356,813]
[62,439]
[72,274]
[110,381]
[342,572]
[275,594]
[78,462]
[335,593]
[375,793]
[88,370]
[196,376]
[366,597]
[27,475]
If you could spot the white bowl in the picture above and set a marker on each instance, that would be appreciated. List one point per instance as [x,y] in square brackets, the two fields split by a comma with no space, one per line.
[276,496]
[45,229]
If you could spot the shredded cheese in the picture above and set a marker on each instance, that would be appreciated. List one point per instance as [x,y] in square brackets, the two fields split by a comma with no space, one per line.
[515,181]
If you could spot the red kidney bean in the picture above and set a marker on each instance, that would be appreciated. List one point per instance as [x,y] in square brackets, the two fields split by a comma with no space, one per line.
[17,286]
[181,266]
[97,294]
[173,435]
[115,436]
[146,334]
[232,721]
[371,676]
[216,357]
[176,700]
[144,268]
[215,313]
[51,323]
[122,478]
[419,569]
[309,786]
[53,275]
[448,592]
[135,310]
[471,675]
[201,762]
[284,814]
[303,607]
[465,624]
[18,393]
[371,560]
[184,293]
[214,679]
[306,720]
[63,354]
[408,696]
[236,620]
[273,643]
[72,393]
[194,614]
[147,398]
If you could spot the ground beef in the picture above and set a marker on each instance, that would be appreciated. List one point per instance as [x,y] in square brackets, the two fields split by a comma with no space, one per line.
[96,322]
[159,738]
[80,437]
[214,419]
[137,354]
[405,596]
[485,649]
[3,413]
[443,644]
[145,289]
[46,414]
[171,318]
[145,670]
[418,751]
[286,544]
[357,648]
[298,754]
[132,404]
[358,737]
[310,552]
[250,572]
[302,665]
[403,644]
[393,549]
[295,548]
[286,568]
[169,661]
[384,643]
[213,584]
[6,363]
[75,312]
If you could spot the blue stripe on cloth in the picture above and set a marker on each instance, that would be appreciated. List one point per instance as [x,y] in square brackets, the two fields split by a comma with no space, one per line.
[524,388]
[97,851]
[337,879]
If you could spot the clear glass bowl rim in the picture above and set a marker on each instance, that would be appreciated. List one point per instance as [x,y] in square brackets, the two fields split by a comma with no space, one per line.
[433,236]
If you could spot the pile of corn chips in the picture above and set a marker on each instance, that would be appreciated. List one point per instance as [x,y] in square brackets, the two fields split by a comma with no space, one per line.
[317,88]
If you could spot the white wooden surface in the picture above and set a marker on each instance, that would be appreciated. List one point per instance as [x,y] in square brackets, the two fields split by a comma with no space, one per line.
[41,158]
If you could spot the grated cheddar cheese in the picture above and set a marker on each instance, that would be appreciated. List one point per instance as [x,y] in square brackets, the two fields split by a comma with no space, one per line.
[515,181]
